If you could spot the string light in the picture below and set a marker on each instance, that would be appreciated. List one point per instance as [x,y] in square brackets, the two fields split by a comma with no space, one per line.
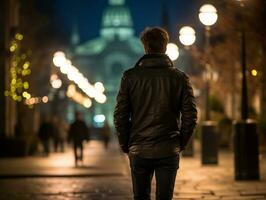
[19,70]
[254,72]
[30,101]
[78,97]
[66,67]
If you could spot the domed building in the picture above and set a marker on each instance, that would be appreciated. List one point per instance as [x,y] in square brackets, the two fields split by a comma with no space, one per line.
[105,58]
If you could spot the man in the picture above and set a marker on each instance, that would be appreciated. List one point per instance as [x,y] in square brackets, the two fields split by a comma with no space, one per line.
[78,132]
[153,99]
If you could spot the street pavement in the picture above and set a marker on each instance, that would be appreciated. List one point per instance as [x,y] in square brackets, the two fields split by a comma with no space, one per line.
[105,175]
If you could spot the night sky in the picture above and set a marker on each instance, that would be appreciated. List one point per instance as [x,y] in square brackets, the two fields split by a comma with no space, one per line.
[88,14]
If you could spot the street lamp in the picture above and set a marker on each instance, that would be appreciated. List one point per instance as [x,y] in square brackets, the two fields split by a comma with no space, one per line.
[246,152]
[172,51]
[208,16]
[209,140]
[187,36]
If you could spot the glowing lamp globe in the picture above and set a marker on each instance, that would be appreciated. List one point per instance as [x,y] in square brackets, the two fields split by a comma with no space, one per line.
[187,35]
[208,15]
[99,87]
[172,51]
[101,98]
[59,58]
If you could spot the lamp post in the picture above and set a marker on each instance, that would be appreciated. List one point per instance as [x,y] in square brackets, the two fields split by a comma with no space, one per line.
[246,152]
[208,17]
[244,94]
[209,140]
[187,36]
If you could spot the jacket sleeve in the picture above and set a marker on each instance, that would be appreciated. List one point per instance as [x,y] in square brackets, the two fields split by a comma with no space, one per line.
[188,113]
[122,114]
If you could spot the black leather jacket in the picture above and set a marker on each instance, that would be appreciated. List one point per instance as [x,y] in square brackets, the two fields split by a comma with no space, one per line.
[155,112]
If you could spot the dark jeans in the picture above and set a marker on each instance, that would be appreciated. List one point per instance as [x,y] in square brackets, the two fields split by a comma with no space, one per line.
[142,170]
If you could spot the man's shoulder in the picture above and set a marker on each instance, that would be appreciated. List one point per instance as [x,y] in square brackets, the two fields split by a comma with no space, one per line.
[178,72]
[129,72]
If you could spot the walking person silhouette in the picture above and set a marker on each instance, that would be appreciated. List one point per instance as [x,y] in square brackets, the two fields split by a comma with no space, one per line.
[78,132]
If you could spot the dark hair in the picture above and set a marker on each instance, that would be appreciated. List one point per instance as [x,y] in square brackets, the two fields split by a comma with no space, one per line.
[154,39]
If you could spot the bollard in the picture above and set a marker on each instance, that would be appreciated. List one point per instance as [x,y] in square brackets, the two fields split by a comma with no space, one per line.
[246,150]
[209,143]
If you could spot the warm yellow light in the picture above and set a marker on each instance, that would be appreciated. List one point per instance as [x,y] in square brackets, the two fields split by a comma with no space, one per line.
[101,98]
[87,103]
[71,90]
[187,35]
[53,77]
[13,89]
[254,72]
[26,95]
[55,81]
[56,84]
[19,36]
[208,15]
[99,87]
[45,99]
[13,81]
[26,65]
[12,48]
[59,58]
[172,51]
[26,85]
[73,74]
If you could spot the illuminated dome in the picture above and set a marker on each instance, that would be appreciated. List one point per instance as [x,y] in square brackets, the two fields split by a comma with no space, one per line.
[116,2]
[116,25]
[117,21]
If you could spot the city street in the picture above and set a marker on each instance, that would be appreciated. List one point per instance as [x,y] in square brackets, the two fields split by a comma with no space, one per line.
[111,72]
[105,175]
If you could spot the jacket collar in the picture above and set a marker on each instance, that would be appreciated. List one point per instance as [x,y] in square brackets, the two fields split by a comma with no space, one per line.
[154,61]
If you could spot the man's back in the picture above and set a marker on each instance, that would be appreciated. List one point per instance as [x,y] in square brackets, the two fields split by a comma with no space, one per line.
[155,89]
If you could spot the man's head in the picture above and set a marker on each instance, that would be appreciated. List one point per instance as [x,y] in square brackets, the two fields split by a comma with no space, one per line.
[154,40]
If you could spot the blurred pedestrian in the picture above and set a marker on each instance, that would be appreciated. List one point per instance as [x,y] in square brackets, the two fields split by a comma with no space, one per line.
[45,132]
[105,134]
[78,132]
[153,97]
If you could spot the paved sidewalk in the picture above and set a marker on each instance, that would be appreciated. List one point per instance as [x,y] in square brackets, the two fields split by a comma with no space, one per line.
[195,181]
[97,162]
[105,176]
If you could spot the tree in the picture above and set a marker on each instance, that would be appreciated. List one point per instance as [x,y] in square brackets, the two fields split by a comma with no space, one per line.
[225,50]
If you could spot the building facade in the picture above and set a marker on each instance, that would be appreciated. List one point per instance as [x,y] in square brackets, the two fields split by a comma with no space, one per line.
[106,57]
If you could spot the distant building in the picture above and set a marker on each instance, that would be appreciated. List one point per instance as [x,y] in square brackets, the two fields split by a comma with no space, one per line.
[107,56]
